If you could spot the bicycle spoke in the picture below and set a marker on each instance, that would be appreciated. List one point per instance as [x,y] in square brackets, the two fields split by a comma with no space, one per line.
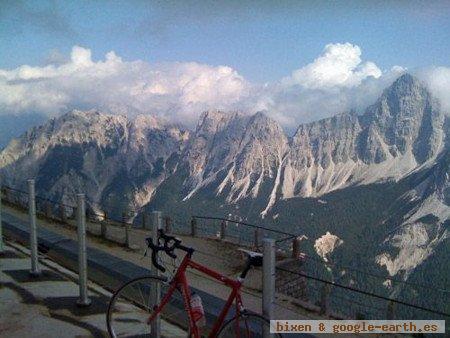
[133,304]
[247,326]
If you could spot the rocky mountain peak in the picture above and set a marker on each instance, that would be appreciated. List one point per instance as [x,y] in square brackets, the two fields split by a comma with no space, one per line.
[109,157]
[403,93]
[262,127]
[405,119]
[212,121]
[238,155]
[406,84]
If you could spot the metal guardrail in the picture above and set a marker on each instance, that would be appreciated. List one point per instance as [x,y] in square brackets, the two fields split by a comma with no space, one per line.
[321,291]
[83,300]
[241,233]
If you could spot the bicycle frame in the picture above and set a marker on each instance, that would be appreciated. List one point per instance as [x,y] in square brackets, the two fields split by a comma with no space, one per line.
[180,280]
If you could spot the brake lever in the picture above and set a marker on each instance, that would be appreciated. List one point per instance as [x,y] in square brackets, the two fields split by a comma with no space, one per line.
[156,263]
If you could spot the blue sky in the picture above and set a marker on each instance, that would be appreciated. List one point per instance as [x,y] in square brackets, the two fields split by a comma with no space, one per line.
[298,61]
[263,40]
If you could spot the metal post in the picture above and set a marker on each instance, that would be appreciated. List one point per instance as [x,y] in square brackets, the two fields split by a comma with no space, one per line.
[257,238]
[324,299]
[127,226]
[390,310]
[62,210]
[35,271]
[127,235]
[103,228]
[83,300]
[6,195]
[223,227]
[168,222]
[156,223]
[1,232]
[144,220]
[268,277]
[148,222]
[296,247]
[268,282]
[193,227]
[156,294]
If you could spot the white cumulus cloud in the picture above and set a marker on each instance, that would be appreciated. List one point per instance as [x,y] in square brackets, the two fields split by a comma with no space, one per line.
[339,65]
[179,91]
[338,80]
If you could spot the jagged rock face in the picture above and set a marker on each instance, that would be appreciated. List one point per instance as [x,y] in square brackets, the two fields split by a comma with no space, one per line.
[322,156]
[424,226]
[405,118]
[235,150]
[237,156]
[105,156]
[400,132]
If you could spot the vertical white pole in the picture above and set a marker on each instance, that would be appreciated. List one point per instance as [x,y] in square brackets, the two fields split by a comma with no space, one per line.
[35,271]
[1,232]
[127,227]
[156,296]
[83,300]
[268,278]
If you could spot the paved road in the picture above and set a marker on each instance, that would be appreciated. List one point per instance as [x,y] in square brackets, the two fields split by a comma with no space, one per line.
[45,306]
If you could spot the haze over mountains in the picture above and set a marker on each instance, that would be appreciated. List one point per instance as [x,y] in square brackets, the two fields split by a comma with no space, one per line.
[340,174]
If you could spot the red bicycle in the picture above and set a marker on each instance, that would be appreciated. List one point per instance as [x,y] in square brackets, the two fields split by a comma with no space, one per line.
[164,307]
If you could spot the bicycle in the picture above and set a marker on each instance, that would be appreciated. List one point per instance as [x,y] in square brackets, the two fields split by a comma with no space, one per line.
[147,305]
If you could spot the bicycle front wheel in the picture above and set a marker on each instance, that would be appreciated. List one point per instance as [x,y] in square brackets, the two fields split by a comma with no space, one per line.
[134,302]
[247,325]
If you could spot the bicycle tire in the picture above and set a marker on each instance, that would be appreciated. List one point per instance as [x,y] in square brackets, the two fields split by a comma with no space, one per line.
[126,306]
[228,329]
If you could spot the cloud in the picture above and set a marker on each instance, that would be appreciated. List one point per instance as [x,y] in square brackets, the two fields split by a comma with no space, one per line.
[339,65]
[438,80]
[338,80]
[180,91]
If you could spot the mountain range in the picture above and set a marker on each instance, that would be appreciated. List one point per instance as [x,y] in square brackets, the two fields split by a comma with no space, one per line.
[379,180]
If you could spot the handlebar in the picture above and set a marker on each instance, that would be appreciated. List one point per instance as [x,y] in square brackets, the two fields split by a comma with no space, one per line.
[167,247]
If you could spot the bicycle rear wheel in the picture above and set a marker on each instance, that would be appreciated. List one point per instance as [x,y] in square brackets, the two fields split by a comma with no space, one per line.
[247,325]
[133,303]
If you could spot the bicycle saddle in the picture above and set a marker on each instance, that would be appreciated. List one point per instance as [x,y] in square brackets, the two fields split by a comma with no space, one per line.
[253,258]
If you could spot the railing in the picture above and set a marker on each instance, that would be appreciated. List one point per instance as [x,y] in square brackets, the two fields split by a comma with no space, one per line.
[302,279]
[238,232]
[28,200]
[305,280]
